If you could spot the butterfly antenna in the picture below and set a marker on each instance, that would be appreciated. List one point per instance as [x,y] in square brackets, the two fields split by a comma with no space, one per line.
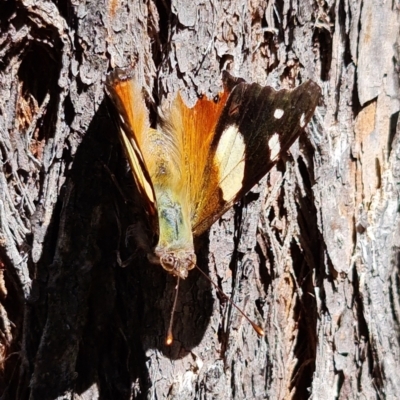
[256,327]
[170,338]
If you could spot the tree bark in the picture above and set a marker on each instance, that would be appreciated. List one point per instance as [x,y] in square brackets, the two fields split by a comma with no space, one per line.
[312,253]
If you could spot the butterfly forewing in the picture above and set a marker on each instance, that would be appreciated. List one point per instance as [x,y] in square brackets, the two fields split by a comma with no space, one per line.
[257,125]
[134,128]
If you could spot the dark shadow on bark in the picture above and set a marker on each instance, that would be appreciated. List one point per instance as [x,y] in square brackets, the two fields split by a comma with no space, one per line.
[307,262]
[394,119]
[324,39]
[92,320]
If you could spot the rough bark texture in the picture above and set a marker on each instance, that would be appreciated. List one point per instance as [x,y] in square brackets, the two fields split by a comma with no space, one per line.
[313,253]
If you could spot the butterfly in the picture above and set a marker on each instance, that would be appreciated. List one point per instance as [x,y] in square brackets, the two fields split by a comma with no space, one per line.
[200,161]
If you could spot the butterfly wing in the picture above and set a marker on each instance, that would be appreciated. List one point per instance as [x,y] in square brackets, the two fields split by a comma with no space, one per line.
[206,158]
[193,130]
[256,125]
[134,129]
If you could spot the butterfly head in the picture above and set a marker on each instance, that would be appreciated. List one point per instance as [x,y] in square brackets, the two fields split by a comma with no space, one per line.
[177,263]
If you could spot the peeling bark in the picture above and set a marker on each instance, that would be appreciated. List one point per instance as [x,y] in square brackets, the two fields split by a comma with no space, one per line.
[312,253]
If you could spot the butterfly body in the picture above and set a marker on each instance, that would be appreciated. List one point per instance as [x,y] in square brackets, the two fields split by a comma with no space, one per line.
[201,160]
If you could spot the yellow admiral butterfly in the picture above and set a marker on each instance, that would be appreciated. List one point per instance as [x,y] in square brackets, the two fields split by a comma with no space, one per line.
[202,160]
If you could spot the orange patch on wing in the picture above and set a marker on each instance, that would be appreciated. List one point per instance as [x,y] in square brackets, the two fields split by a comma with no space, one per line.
[193,130]
[132,107]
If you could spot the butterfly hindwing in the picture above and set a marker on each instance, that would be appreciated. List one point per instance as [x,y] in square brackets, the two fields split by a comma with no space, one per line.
[256,126]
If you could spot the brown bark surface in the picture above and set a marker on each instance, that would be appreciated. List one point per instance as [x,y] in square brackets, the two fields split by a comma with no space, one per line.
[312,253]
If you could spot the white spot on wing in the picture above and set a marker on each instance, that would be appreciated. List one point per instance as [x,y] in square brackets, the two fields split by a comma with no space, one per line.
[274,146]
[302,120]
[278,114]
[229,159]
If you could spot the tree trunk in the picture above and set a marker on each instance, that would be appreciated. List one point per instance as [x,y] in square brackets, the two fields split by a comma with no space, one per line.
[312,253]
